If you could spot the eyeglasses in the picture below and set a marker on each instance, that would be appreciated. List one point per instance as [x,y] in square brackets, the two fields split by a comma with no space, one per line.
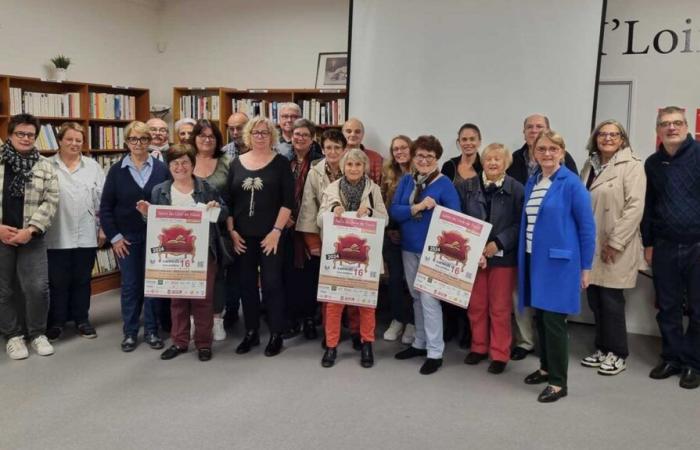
[206,137]
[302,135]
[289,116]
[611,135]
[260,133]
[239,129]
[158,130]
[545,150]
[400,149]
[426,158]
[186,163]
[675,123]
[135,140]
[24,134]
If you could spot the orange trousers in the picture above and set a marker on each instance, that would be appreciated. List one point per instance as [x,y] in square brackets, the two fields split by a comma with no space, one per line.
[334,312]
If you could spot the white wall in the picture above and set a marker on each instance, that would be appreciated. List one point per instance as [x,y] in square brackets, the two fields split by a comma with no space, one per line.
[658,80]
[110,42]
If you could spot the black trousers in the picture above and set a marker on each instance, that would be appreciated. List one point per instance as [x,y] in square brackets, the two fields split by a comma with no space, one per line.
[227,290]
[608,306]
[300,284]
[676,269]
[70,273]
[271,280]
[554,345]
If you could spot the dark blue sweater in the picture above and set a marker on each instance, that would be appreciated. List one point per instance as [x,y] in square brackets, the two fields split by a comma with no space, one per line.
[118,212]
[672,208]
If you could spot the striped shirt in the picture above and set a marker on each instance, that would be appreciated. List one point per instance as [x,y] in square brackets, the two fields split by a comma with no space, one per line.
[532,207]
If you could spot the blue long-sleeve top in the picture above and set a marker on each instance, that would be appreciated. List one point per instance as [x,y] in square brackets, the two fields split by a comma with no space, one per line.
[414,230]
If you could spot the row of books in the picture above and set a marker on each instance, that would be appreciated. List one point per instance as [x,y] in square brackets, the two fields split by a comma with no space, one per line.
[322,112]
[200,107]
[44,104]
[105,262]
[47,139]
[112,106]
[106,161]
[106,137]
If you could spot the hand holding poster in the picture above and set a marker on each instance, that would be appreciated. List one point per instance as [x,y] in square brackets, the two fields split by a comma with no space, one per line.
[451,255]
[351,258]
[177,248]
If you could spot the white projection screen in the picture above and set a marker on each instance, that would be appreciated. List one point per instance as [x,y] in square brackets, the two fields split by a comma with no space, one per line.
[427,67]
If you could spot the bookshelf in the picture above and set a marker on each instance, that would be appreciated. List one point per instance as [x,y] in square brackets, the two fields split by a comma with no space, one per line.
[223,102]
[101,109]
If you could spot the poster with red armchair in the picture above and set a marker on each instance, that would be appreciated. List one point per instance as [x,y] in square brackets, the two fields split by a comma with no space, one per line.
[177,247]
[351,260]
[450,256]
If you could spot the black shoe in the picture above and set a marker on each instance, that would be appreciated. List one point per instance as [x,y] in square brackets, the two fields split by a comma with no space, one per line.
[663,371]
[274,347]
[329,357]
[250,340]
[536,377]
[519,353]
[86,330]
[129,343]
[310,332]
[367,357]
[411,352]
[154,341]
[497,367]
[431,365]
[172,352]
[549,395]
[204,354]
[54,333]
[474,358]
[690,379]
[356,342]
[292,332]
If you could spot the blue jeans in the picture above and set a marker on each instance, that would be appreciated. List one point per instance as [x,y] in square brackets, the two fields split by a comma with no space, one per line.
[676,269]
[133,271]
[426,311]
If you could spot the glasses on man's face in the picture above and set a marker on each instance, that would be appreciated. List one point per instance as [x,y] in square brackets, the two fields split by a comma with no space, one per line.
[158,130]
[426,158]
[611,135]
[289,116]
[260,133]
[301,135]
[234,129]
[25,135]
[138,140]
[675,123]
[206,137]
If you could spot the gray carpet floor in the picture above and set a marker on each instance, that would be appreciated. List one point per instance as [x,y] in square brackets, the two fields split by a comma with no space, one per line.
[90,395]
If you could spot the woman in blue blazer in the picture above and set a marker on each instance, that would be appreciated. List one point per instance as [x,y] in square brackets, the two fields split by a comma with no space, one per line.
[557,242]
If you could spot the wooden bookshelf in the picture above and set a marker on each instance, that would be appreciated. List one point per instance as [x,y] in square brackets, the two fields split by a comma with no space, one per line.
[226,96]
[139,109]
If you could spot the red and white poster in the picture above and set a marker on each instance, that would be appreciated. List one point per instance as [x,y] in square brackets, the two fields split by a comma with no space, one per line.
[177,248]
[351,259]
[451,255]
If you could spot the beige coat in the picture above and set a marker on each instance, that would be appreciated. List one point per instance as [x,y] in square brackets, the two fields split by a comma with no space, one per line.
[316,182]
[331,196]
[617,195]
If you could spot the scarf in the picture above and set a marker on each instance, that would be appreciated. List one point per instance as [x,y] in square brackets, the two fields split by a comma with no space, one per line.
[497,183]
[597,165]
[421,182]
[351,194]
[20,165]
[332,176]
[299,171]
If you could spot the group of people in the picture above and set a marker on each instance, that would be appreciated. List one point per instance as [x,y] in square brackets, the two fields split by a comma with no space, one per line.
[553,234]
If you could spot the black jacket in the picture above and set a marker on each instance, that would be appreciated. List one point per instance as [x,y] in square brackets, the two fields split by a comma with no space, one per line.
[506,211]
[449,169]
[518,169]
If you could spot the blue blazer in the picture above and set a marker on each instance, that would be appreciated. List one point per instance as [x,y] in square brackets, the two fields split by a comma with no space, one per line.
[563,245]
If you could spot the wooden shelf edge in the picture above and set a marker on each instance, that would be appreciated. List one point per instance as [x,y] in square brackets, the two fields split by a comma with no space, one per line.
[105,282]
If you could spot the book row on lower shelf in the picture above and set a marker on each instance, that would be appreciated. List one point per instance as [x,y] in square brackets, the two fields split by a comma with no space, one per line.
[105,262]
[200,107]
[322,112]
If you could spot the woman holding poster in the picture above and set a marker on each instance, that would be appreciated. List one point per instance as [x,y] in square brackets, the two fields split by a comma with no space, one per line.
[555,254]
[187,191]
[412,208]
[496,198]
[354,191]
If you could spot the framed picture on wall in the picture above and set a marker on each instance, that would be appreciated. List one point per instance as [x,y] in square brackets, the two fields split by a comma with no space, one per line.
[332,71]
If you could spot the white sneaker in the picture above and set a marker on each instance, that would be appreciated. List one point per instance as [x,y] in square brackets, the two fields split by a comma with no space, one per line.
[218,330]
[409,334]
[612,365]
[16,348]
[41,345]
[394,331]
[191,328]
[594,360]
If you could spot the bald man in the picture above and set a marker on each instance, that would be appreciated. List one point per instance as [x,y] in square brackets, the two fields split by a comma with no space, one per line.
[235,124]
[160,138]
[354,132]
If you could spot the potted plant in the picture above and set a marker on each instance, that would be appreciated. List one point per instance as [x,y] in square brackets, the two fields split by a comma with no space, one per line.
[61,62]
